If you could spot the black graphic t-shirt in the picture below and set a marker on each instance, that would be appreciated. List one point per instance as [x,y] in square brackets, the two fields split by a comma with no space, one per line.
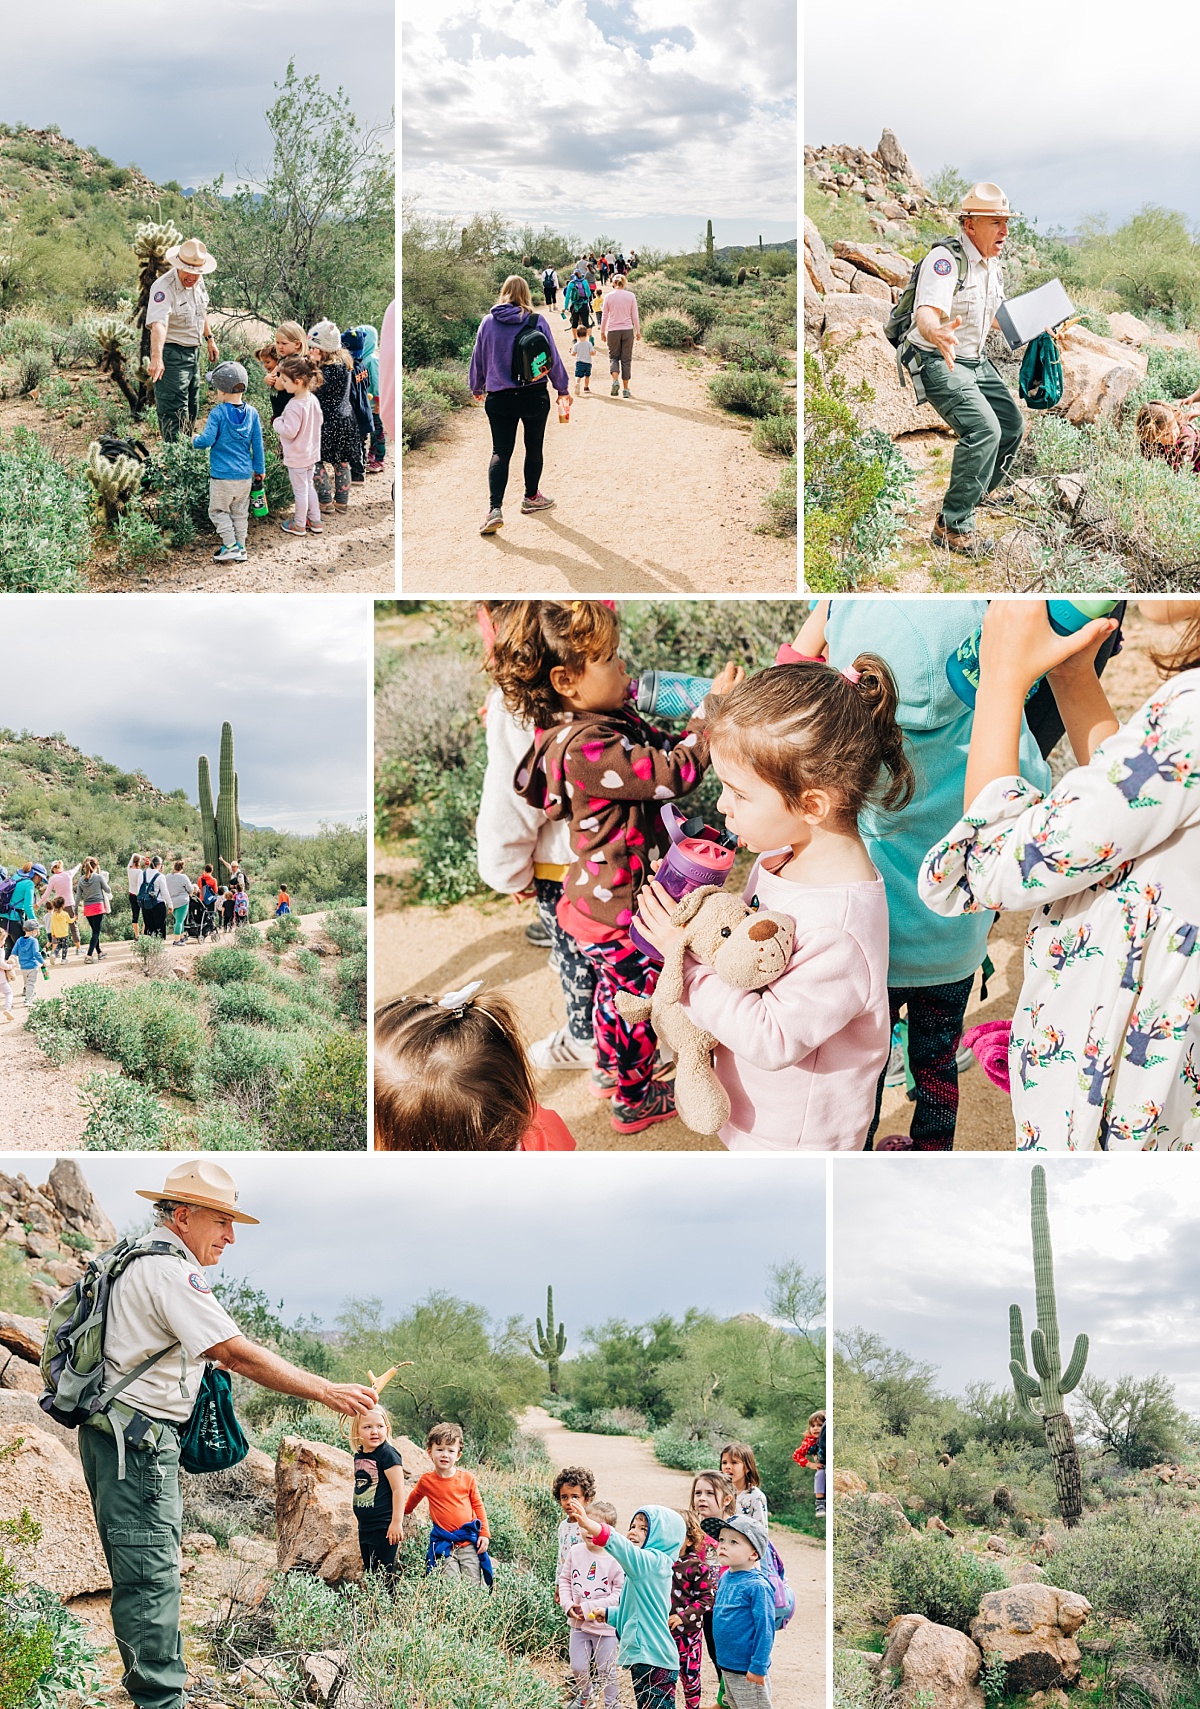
[372,1491]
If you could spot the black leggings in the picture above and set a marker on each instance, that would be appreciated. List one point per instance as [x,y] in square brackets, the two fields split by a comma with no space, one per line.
[529,405]
[378,1555]
[96,922]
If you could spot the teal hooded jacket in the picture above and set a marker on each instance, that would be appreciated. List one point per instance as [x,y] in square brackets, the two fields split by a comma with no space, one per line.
[641,1617]
[915,638]
[370,340]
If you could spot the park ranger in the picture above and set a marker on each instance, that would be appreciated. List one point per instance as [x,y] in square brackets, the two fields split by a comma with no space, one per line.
[959,287]
[177,316]
[163,1303]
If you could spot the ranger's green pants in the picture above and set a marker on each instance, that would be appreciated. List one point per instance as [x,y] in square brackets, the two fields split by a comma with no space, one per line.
[177,394]
[140,1520]
[977,404]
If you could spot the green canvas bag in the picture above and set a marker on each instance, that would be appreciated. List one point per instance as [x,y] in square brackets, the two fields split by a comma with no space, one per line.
[1041,381]
[212,1440]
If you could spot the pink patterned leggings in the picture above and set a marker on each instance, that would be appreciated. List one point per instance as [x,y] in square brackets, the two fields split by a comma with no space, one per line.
[622,1049]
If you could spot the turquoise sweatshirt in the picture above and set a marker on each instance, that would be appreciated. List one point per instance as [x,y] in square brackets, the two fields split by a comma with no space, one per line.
[370,340]
[641,1617]
[915,638]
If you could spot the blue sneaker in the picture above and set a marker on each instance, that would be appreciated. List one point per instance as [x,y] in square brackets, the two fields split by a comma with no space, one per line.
[230,555]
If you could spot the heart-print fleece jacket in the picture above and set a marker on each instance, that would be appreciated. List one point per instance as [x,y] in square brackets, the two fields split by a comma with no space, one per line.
[608,775]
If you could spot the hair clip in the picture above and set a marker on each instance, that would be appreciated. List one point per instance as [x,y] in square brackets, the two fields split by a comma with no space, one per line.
[851,675]
[458,1000]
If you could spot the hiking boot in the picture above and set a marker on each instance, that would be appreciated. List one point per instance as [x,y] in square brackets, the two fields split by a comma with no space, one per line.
[602,1084]
[493,522]
[560,1051]
[539,501]
[230,555]
[627,393]
[657,1104]
[616,388]
[968,544]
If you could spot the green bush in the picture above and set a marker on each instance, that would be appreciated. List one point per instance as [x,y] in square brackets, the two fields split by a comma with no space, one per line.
[931,1576]
[776,435]
[19,332]
[669,331]
[1056,447]
[426,713]
[324,1107]
[45,520]
[1142,1566]
[741,349]
[154,1031]
[124,1116]
[228,963]
[447,868]
[178,485]
[221,1129]
[448,384]
[33,370]
[282,933]
[781,504]
[747,394]
[247,1001]
[682,1452]
[250,1065]
[55,1659]
[140,542]
[15,1292]
[46,1025]
[423,412]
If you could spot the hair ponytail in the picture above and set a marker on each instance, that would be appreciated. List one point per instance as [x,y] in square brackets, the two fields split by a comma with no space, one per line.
[877,687]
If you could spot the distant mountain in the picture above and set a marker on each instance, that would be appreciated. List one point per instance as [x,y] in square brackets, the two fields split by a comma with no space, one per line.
[740,248]
[50,162]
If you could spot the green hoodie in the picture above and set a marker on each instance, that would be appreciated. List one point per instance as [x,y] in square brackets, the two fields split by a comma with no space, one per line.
[915,637]
[641,1618]
[370,340]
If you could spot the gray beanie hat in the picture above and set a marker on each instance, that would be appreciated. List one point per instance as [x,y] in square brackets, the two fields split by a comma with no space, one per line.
[753,1532]
[228,377]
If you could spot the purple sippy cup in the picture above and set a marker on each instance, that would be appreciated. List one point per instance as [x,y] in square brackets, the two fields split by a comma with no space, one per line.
[688,863]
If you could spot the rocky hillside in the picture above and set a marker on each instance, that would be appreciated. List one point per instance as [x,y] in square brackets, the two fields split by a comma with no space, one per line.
[50,163]
[884,182]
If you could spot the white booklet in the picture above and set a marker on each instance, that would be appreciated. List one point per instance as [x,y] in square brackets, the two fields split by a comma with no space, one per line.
[1022,318]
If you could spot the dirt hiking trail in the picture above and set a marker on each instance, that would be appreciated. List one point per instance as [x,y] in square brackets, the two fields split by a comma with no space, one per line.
[660,493]
[627,1474]
[42,1111]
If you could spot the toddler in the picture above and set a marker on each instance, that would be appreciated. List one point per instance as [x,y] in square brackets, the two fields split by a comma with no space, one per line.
[811,1452]
[299,428]
[744,1614]
[693,1587]
[290,340]
[582,350]
[589,1587]
[232,436]
[60,928]
[29,958]
[800,750]
[1165,430]
[378,1491]
[598,766]
[713,1499]
[283,902]
[8,982]
[458,1538]
[339,429]
[573,1483]
[932,962]
[1105,1046]
[741,1468]
[647,1554]
[452,1075]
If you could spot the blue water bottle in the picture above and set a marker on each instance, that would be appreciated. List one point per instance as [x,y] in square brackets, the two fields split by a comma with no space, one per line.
[1067,617]
[669,694]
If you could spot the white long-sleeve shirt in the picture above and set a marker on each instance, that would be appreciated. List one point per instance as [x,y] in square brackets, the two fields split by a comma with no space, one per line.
[514,839]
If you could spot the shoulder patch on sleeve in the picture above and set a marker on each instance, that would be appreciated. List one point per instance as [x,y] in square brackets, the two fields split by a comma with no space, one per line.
[941,265]
[160,296]
[199,1282]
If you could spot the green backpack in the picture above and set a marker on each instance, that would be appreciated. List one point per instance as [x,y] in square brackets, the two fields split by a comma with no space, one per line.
[1041,379]
[900,320]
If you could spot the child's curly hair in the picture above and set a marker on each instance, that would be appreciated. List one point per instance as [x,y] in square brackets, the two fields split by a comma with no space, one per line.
[536,636]
[576,1475]
[1152,419]
[451,1079]
[809,726]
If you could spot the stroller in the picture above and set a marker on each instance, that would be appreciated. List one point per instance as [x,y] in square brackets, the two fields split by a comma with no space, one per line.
[201,919]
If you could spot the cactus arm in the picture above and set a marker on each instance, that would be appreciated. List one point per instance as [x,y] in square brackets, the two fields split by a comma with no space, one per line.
[226,811]
[1037,1347]
[1016,1336]
[1027,1387]
[208,821]
[1074,1370]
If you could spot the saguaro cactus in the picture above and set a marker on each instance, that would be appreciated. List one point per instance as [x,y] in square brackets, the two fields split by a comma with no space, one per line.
[208,819]
[1041,1397]
[221,829]
[551,1342]
[708,245]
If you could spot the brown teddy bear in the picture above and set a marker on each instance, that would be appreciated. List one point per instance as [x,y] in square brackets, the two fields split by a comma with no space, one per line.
[747,948]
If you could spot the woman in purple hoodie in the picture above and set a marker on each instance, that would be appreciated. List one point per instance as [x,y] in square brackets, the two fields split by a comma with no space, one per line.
[509,404]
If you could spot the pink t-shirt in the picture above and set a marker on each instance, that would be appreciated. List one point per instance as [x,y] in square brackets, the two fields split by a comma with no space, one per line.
[620,310]
[62,884]
[299,430]
[800,1059]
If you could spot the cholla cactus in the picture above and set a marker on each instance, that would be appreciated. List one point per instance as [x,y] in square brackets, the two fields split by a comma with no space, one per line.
[113,337]
[114,481]
[1041,1397]
[151,241]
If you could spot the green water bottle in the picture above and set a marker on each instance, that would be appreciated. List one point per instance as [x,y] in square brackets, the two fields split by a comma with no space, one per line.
[258,502]
[1067,617]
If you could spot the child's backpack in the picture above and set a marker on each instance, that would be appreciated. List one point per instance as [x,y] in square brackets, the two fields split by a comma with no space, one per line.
[146,892]
[6,893]
[785,1596]
[532,355]
[241,906]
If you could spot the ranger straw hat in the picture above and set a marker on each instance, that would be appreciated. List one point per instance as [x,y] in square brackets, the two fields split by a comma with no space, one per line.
[985,199]
[192,256]
[200,1183]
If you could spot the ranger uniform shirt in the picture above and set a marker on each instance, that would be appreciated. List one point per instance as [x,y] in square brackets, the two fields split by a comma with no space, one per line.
[163,1301]
[981,295]
[182,308]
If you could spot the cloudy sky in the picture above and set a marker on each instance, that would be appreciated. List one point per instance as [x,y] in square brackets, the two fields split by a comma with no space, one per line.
[931,1253]
[181,92]
[1071,118]
[146,683]
[634,119]
[616,1234]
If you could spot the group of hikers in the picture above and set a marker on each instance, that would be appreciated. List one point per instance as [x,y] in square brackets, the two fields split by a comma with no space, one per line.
[327,443]
[515,361]
[41,910]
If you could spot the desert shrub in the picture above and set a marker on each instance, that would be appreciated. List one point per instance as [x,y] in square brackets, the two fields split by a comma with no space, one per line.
[775,434]
[33,370]
[781,504]
[46,1024]
[854,1684]
[426,714]
[124,1116]
[22,332]
[150,953]
[741,349]
[222,1129]
[15,1292]
[605,1421]
[140,541]
[698,635]
[345,930]
[304,1610]
[76,345]
[324,1107]
[246,1001]
[747,394]
[449,384]
[423,413]
[312,1426]
[669,331]
[1056,447]
[447,868]
[1150,261]
[930,1576]
[282,933]
[45,520]
[154,1031]
[47,1658]
[250,1065]
[1140,1566]
[309,963]
[419,343]
[684,1453]
[413,1659]
[178,485]
[703,312]
[227,963]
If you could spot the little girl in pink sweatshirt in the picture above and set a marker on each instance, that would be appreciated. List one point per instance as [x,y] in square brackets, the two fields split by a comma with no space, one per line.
[299,430]
[799,749]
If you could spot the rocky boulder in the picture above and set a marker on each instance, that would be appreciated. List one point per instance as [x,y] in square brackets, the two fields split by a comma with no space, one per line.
[314,1517]
[938,1666]
[45,1478]
[816,259]
[1032,1627]
[814,315]
[1027,1572]
[1128,329]
[18,1406]
[865,354]
[22,1335]
[18,1373]
[851,309]
[882,1499]
[876,259]
[1098,375]
[74,1201]
[848,1483]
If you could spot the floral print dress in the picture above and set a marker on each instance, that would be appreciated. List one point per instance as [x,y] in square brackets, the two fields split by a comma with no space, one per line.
[1105,1046]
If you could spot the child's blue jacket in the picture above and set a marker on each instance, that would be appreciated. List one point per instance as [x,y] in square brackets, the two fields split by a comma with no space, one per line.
[28,953]
[744,1622]
[233,433]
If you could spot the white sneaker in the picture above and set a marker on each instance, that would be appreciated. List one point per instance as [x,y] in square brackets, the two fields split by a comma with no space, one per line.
[560,1051]
[964,1058]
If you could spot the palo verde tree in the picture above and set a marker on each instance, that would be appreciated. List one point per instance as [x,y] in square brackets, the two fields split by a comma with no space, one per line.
[551,1342]
[1041,1397]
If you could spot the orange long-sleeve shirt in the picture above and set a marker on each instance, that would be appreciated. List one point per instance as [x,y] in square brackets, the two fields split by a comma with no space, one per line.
[453,1501]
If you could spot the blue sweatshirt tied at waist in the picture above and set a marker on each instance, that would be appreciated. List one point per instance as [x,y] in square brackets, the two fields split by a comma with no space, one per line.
[233,433]
[441,1542]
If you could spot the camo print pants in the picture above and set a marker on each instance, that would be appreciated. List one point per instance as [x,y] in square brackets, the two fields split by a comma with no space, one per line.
[622,1048]
[935,1024]
[575,972]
